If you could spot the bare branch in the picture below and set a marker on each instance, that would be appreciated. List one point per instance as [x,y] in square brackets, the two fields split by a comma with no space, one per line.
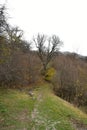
[46,53]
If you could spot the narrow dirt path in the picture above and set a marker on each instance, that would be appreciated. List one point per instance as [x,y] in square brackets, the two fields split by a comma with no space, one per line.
[39,120]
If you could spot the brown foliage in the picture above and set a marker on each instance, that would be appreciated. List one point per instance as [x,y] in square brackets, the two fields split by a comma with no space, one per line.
[70,82]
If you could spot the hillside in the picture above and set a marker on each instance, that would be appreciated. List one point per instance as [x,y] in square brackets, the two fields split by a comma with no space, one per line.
[42,111]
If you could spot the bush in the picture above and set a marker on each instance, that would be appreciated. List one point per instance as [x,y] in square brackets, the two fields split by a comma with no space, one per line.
[50,73]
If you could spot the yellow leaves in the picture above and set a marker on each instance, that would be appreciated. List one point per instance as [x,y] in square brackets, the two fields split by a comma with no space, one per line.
[50,73]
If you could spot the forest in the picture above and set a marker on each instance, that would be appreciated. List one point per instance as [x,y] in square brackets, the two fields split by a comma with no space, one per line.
[41,88]
[21,66]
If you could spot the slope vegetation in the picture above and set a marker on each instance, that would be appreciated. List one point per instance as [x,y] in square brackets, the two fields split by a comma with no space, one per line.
[40,111]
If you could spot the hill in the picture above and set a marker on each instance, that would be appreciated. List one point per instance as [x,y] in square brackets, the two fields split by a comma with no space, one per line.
[41,110]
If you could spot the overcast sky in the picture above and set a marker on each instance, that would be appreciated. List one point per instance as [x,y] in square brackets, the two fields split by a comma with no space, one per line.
[65,18]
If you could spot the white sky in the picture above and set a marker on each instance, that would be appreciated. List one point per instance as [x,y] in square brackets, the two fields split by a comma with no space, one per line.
[65,18]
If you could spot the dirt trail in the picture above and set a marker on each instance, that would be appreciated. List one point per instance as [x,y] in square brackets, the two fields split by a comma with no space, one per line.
[39,119]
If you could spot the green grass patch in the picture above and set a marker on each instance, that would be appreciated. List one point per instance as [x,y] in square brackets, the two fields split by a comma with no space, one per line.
[19,111]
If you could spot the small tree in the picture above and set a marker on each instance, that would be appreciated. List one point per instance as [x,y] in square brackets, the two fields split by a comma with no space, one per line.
[47,46]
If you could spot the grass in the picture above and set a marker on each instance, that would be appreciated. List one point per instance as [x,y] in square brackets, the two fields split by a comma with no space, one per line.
[43,111]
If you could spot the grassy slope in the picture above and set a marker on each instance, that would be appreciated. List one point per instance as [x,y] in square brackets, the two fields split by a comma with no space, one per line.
[45,111]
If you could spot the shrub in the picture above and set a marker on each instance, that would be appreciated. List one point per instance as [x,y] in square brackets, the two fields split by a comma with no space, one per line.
[50,73]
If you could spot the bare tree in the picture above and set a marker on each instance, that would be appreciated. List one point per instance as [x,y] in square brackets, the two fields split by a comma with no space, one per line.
[47,46]
[3,20]
[14,34]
